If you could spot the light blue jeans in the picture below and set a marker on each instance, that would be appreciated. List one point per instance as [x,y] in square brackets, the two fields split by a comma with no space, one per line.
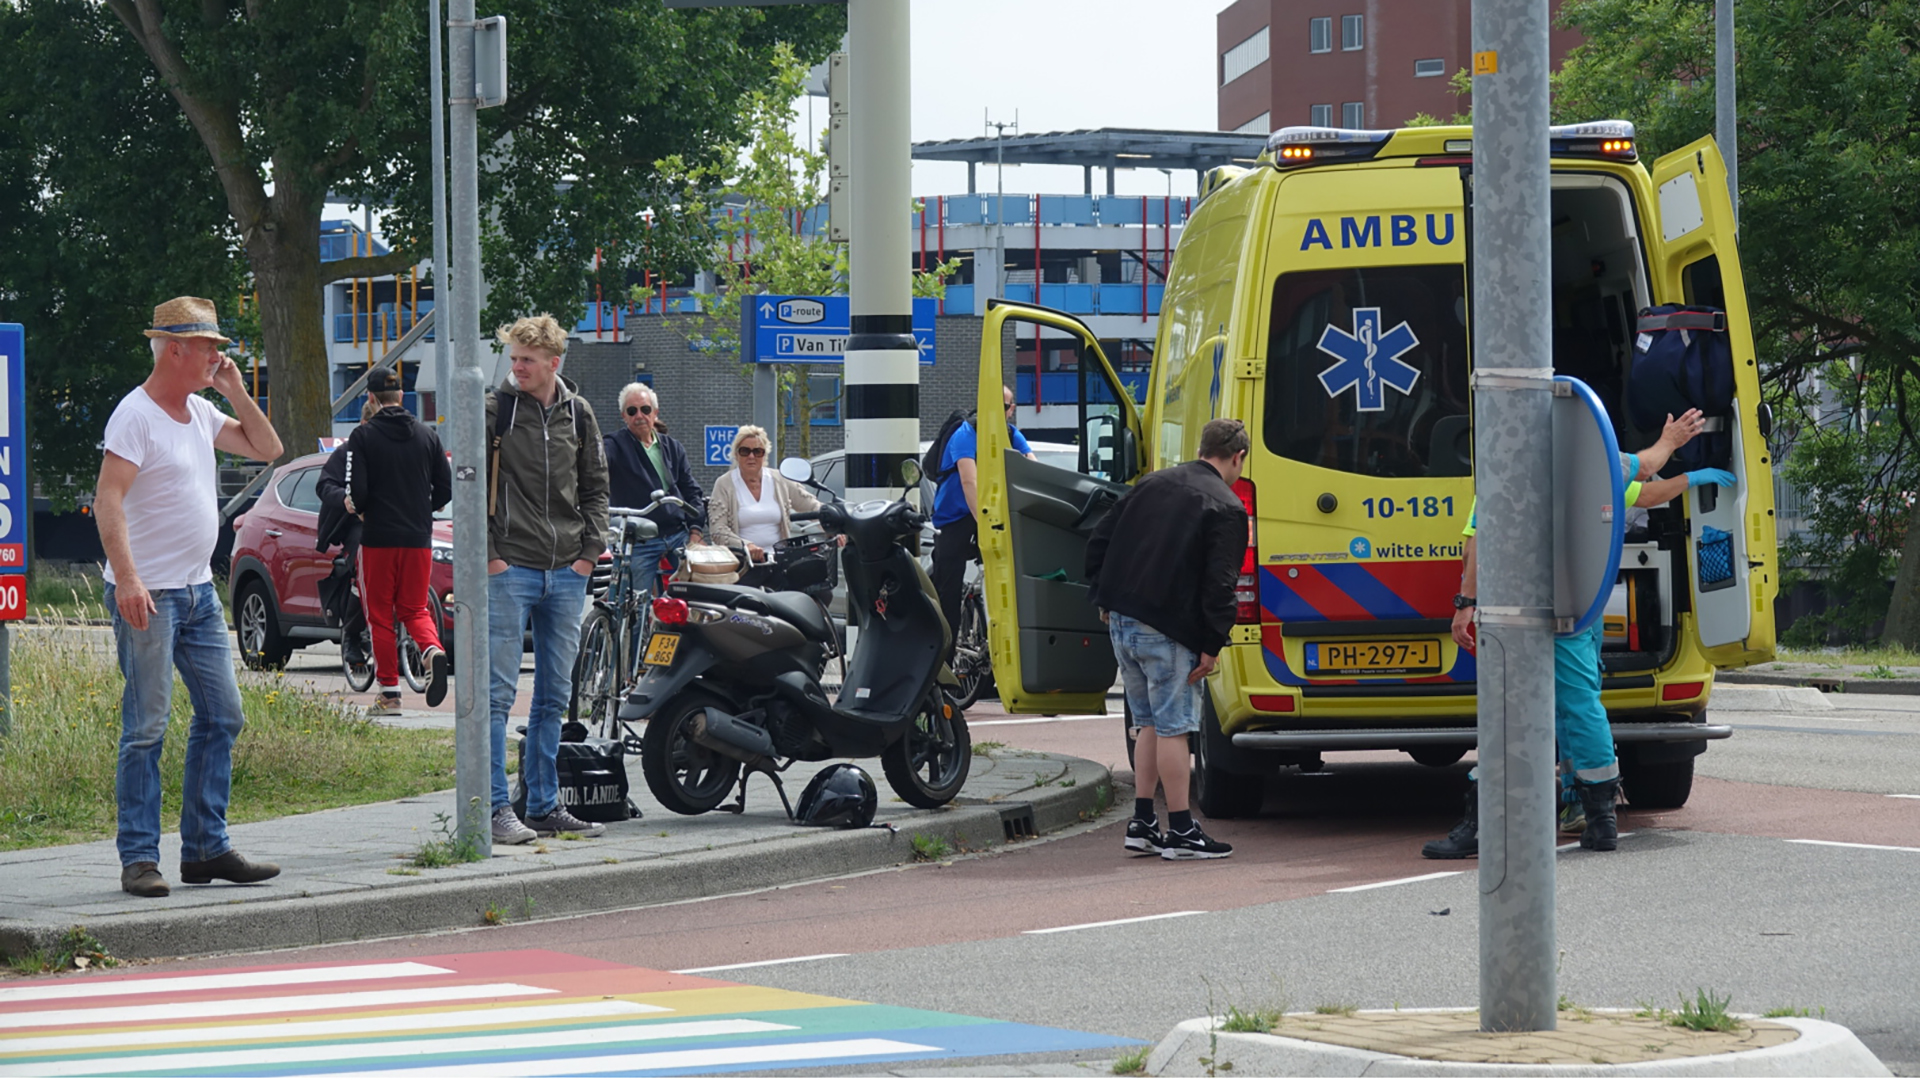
[187,632]
[1154,670]
[645,560]
[555,600]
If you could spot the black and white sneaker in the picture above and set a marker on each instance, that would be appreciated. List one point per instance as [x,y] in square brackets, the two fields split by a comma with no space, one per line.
[1193,845]
[1143,837]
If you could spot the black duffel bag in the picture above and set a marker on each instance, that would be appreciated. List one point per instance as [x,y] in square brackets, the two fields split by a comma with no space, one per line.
[593,782]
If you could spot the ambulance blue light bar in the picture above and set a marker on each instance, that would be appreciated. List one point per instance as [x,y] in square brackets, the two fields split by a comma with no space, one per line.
[1293,147]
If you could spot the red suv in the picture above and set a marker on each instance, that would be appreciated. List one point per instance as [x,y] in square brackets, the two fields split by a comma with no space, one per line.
[274,579]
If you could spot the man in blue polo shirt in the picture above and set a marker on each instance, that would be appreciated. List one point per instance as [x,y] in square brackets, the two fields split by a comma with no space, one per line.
[956,510]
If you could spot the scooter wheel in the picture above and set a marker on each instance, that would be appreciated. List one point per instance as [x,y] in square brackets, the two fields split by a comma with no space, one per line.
[929,764]
[686,777]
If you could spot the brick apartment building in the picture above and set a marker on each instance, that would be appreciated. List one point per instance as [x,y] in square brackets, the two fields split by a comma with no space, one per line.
[1345,63]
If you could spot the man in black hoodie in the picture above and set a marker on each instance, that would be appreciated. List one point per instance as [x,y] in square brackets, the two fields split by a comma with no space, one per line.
[397,476]
[1163,564]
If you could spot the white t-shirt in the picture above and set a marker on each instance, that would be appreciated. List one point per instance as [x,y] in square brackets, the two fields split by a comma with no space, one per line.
[759,519]
[172,507]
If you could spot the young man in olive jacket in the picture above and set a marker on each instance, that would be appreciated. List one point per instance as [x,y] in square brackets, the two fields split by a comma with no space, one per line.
[546,527]
[1163,563]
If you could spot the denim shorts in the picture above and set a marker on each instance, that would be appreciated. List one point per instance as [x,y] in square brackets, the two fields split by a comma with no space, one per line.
[1154,669]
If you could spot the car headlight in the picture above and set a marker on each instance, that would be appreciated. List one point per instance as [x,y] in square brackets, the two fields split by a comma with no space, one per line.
[443,553]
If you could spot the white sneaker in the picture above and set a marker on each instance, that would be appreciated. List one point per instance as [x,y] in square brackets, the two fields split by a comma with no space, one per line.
[507,828]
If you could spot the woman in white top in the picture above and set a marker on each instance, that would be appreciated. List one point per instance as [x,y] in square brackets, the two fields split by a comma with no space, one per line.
[752,506]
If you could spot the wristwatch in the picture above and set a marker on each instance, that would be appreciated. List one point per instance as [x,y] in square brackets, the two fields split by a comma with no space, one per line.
[1461,601]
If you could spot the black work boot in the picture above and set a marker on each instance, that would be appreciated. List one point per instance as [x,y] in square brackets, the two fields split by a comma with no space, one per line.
[1464,841]
[1603,828]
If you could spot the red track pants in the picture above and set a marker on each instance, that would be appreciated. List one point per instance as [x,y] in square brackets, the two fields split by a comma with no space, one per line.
[394,585]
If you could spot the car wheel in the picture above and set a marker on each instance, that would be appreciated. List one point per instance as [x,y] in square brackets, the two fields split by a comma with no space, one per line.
[258,624]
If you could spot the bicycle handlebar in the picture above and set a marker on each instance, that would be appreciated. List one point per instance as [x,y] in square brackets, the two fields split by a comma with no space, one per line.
[664,500]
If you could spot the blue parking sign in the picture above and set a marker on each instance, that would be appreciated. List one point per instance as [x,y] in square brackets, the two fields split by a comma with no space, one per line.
[720,444]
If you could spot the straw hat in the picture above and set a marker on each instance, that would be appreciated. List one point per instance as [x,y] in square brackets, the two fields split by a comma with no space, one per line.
[186,317]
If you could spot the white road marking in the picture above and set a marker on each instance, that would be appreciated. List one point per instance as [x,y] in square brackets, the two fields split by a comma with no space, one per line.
[1868,847]
[1576,843]
[1903,796]
[1039,720]
[314,1029]
[759,963]
[1399,881]
[1112,922]
[701,1060]
[229,981]
[187,1010]
[470,1044]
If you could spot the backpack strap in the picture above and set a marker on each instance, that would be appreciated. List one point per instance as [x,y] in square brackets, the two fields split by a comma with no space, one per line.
[1685,320]
[503,413]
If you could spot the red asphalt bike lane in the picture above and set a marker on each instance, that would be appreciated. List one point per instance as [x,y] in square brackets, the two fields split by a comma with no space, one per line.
[1361,823]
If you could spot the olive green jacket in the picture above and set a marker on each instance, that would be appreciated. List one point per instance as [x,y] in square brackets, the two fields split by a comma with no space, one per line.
[548,494]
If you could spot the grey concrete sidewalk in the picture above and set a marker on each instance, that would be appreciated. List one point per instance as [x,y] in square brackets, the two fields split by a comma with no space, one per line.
[347,873]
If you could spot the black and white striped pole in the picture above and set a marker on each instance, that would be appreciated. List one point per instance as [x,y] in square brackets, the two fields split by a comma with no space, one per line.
[882,408]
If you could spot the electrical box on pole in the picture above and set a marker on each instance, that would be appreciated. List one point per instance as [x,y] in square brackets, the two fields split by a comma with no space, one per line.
[490,61]
[839,152]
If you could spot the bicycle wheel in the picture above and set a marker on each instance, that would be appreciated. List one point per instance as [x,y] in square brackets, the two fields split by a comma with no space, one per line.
[596,673]
[972,664]
[413,666]
[359,676]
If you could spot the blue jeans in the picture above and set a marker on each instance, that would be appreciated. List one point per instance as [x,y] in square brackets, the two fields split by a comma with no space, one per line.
[1579,720]
[555,600]
[187,632]
[1154,670]
[645,560]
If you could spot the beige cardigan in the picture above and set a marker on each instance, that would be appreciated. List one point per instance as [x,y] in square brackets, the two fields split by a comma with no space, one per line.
[723,507]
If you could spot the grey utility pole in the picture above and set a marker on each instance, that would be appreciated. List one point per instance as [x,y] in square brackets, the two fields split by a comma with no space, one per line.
[1513,450]
[1000,212]
[1725,133]
[441,388]
[882,410]
[472,741]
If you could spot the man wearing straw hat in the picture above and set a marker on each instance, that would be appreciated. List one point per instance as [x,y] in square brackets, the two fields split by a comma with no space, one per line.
[157,505]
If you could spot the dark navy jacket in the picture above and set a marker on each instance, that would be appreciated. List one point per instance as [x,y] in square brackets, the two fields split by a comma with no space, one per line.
[631,481]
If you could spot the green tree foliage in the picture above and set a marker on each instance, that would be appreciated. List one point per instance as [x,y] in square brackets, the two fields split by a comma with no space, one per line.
[1829,141]
[237,120]
[755,203]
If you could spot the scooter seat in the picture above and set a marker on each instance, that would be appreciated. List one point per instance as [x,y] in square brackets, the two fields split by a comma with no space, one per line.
[794,607]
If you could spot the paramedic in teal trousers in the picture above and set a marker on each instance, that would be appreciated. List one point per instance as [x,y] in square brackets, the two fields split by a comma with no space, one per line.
[1580,726]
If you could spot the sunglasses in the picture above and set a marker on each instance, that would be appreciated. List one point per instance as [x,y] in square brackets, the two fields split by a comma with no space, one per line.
[636,410]
[750,451]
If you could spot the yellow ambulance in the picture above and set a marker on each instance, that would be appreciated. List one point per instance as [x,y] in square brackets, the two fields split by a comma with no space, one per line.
[1323,297]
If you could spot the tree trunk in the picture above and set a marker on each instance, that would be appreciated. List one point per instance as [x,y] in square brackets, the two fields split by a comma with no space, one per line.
[285,254]
[1903,610]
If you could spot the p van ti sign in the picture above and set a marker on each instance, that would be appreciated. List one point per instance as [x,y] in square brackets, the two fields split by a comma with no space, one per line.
[14,504]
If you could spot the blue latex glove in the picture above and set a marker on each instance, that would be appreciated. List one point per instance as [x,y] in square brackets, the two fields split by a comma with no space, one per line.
[1702,477]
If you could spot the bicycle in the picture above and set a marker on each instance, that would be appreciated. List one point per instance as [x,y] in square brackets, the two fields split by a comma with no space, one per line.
[972,660]
[413,664]
[615,628]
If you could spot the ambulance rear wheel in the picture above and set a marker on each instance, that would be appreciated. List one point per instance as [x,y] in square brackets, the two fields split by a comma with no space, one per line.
[1217,792]
[1438,757]
[1661,785]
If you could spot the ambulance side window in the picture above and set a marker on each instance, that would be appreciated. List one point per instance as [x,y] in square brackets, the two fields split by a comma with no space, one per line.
[1367,370]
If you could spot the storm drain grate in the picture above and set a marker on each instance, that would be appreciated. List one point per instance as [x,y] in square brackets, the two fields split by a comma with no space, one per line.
[1017,822]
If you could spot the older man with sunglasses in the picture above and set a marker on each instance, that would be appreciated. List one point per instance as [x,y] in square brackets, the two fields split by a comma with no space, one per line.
[642,459]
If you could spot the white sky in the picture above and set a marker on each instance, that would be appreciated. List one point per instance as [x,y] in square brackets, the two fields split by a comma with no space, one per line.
[1064,65]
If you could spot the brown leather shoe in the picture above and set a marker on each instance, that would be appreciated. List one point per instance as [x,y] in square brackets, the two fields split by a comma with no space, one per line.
[143,879]
[230,866]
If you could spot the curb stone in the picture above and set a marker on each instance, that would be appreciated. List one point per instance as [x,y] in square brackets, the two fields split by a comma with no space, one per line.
[1831,684]
[521,888]
[1823,1049]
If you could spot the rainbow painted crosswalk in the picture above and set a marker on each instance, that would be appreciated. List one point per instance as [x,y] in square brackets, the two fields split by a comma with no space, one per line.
[525,1013]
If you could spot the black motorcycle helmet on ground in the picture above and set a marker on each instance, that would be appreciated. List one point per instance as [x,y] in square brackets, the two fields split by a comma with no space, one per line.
[841,795]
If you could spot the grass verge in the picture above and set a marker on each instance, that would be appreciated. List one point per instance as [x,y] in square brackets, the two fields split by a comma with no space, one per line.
[300,751]
[73,591]
[1868,656]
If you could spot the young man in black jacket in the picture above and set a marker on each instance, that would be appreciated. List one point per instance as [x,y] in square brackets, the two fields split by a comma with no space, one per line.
[397,476]
[1163,563]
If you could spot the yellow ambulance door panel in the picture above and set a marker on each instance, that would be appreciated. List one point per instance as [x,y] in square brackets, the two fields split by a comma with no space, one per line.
[1696,261]
[1051,653]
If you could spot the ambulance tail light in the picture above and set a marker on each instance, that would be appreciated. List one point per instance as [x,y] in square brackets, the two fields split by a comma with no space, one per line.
[1246,589]
[1293,147]
[1608,140]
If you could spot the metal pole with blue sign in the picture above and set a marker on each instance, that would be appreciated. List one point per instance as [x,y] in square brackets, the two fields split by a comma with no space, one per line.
[16,509]
[720,444]
[815,329]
